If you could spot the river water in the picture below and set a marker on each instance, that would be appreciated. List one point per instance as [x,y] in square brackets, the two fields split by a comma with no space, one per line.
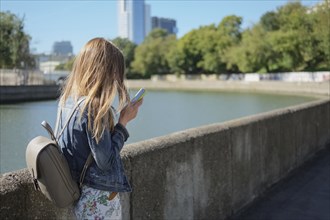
[162,112]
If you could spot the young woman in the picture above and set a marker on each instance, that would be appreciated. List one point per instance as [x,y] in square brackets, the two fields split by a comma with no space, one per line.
[97,78]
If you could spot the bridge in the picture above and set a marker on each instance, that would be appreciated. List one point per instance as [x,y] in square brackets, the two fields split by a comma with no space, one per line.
[219,171]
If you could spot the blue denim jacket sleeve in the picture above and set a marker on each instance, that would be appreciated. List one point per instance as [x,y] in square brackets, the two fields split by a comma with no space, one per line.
[108,147]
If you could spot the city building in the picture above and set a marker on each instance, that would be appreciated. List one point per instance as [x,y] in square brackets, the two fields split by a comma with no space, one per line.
[48,66]
[147,19]
[165,23]
[62,48]
[134,20]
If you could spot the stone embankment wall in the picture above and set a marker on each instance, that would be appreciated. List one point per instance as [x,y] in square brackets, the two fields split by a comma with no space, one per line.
[209,172]
[43,92]
[16,77]
[9,94]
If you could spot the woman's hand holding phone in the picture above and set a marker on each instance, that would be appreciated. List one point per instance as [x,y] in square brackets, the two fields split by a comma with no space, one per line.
[139,95]
[131,110]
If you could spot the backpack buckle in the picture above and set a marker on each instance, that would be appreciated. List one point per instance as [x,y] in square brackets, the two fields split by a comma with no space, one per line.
[36,185]
[35,182]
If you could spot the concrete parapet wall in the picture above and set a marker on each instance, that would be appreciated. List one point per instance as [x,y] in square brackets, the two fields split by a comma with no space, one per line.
[28,93]
[209,172]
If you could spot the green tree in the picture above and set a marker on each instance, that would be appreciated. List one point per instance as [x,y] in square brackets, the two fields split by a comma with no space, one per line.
[269,21]
[151,55]
[282,41]
[207,44]
[14,43]
[128,49]
[230,35]
[254,53]
[294,42]
[204,50]
[320,16]
[185,56]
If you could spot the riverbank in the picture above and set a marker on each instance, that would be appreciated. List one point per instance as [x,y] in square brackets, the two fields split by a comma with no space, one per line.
[319,89]
[10,94]
[14,94]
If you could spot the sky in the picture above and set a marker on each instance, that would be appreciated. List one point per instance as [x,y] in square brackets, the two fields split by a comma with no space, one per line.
[77,21]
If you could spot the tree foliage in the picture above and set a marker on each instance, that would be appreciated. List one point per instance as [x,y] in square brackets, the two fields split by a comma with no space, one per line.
[185,57]
[269,21]
[291,38]
[151,55]
[204,50]
[128,48]
[253,54]
[14,43]
[321,34]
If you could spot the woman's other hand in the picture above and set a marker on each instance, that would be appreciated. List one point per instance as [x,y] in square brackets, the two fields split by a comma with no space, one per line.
[129,112]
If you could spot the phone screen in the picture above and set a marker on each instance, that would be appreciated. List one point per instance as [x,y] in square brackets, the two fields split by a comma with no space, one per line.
[139,95]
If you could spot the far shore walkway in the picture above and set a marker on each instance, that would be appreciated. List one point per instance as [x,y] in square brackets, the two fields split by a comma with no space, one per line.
[299,88]
[12,94]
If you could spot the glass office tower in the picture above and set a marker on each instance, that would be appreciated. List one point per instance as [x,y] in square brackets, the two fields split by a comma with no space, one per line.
[134,20]
[165,23]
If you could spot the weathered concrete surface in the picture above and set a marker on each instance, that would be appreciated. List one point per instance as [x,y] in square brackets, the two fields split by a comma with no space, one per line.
[19,200]
[9,94]
[173,175]
[209,172]
[303,195]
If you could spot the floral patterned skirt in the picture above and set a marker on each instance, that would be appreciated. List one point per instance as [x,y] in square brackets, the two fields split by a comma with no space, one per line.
[96,204]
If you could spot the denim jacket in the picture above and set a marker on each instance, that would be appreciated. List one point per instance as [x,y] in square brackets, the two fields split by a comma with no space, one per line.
[106,171]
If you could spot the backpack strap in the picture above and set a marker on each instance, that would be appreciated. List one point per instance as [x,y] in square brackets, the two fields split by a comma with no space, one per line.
[54,138]
[68,120]
[89,159]
[83,172]
[49,130]
[59,114]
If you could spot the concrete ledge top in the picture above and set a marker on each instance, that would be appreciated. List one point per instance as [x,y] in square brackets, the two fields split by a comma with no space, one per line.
[182,136]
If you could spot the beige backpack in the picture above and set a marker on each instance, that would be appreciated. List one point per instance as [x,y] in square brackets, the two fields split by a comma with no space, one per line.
[50,170]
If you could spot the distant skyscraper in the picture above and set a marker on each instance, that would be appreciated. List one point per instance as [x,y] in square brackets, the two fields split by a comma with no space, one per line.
[134,20]
[62,48]
[165,23]
[147,19]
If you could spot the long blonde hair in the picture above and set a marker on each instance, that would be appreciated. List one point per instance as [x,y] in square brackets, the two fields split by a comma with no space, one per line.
[97,73]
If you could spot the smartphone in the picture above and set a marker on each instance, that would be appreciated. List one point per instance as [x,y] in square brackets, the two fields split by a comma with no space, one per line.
[139,95]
